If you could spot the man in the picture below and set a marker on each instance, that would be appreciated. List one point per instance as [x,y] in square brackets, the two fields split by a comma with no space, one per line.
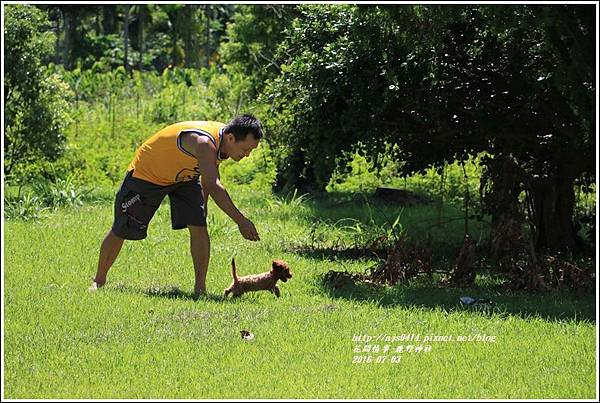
[181,161]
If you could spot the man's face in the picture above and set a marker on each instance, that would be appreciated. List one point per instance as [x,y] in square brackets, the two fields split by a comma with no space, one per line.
[237,150]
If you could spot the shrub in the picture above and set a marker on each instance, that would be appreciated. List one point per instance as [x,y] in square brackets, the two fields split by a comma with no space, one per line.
[32,202]
[27,207]
[36,102]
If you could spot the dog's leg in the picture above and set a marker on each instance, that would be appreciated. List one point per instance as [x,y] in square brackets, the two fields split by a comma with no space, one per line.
[276,291]
[227,292]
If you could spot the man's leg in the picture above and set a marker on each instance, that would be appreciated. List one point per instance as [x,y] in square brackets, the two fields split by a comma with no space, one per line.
[111,246]
[200,248]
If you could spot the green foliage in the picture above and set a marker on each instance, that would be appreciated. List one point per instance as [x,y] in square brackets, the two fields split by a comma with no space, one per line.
[290,205]
[448,183]
[62,193]
[585,212]
[360,178]
[331,52]
[442,83]
[114,113]
[351,96]
[253,37]
[157,35]
[35,200]
[36,102]
[257,171]
[27,208]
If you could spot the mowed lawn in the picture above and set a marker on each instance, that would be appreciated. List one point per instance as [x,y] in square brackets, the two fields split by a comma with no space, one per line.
[143,336]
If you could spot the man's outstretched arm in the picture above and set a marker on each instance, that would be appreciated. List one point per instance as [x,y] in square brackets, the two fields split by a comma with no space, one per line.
[207,163]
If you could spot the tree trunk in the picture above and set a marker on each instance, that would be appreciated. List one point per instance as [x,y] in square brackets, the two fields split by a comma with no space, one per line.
[109,19]
[550,203]
[67,40]
[71,18]
[57,49]
[207,44]
[295,174]
[553,204]
[501,185]
[97,26]
[189,35]
[126,37]
[141,44]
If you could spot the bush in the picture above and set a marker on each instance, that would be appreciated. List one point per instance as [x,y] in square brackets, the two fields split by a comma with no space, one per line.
[36,102]
[63,192]
[114,113]
[256,171]
[27,207]
[31,203]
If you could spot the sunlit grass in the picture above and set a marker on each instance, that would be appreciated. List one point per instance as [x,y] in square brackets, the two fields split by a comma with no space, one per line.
[143,336]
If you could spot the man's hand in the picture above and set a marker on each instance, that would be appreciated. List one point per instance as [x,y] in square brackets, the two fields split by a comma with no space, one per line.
[248,230]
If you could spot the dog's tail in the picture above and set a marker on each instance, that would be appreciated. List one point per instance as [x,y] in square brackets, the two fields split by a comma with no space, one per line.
[233,273]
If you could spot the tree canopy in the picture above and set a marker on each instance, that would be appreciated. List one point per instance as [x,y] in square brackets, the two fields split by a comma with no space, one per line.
[442,83]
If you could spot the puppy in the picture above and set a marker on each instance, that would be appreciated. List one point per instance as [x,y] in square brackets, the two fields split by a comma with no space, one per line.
[257,282]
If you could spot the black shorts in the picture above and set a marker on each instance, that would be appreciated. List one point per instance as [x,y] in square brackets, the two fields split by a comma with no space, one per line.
[137,200]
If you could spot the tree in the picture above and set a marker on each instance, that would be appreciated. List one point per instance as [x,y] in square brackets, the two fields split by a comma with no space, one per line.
[253,36]
[443,83]
[74,41]
[525,93]
[36,106]
[327,95]
[126,37]
[142,17]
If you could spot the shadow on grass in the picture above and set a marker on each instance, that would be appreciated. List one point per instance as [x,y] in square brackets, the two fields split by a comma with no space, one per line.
[365,207]
[552,306]
[446,231]
[365,219]
[169,292]
[320,252]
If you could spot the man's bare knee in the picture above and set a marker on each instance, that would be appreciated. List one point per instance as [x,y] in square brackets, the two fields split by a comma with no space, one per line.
[114,237]
[198,231]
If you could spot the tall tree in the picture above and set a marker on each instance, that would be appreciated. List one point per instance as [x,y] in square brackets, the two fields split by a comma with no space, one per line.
[109,18]
[189,33]
[126,37]
[142,17]
[207,17]
[442,83]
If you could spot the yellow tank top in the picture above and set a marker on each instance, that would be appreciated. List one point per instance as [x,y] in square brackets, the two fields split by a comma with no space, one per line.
[162,159]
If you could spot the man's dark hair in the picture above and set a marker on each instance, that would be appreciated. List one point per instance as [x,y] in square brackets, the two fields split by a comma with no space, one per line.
[243,125]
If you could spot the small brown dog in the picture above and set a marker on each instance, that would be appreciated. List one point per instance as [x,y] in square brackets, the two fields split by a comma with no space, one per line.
[256,282]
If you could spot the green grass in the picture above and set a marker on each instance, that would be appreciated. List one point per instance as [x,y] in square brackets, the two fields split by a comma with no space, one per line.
[143,336]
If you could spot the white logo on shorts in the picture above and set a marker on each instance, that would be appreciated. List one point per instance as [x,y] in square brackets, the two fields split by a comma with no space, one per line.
[130,202]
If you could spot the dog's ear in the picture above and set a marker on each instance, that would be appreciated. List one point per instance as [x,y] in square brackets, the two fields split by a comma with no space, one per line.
[281,266]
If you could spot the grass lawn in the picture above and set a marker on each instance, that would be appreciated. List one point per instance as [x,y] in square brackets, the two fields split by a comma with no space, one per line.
[143,336]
